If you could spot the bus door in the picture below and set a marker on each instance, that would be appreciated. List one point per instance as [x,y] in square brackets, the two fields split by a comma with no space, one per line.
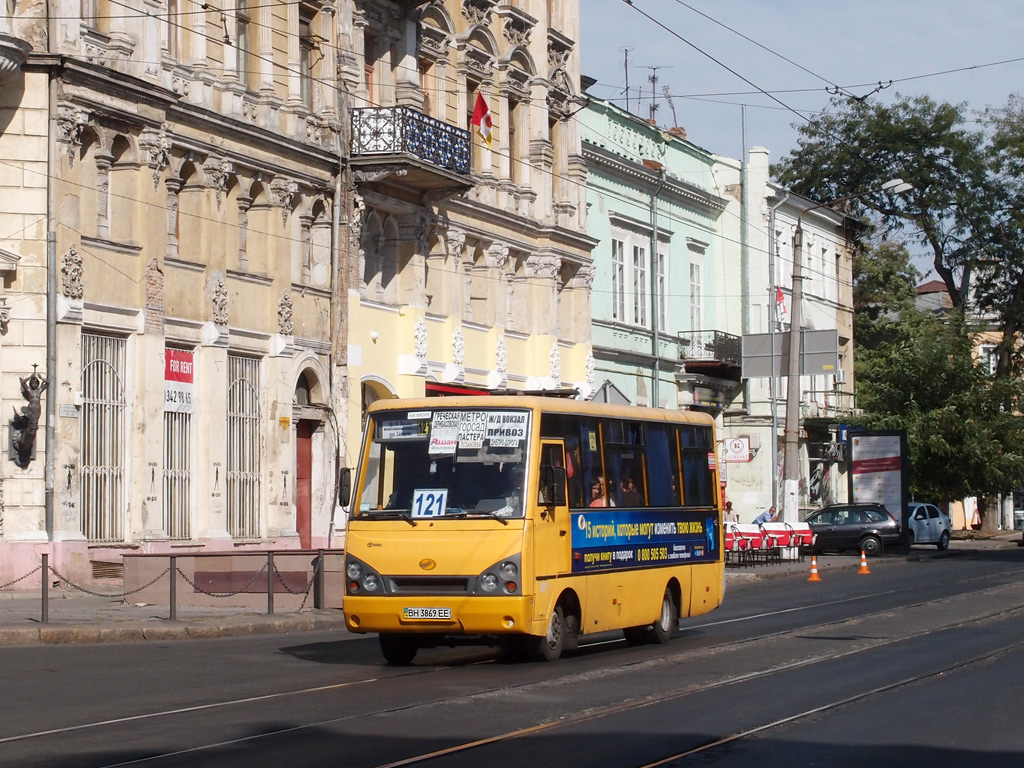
[551,539]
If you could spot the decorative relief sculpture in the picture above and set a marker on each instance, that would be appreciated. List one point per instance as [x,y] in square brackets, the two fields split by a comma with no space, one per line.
[591,370]
[156,149]
[497,256]
[456,245]
[154,297]
[283,191]
[216,171]
[219,302]
[284,316]
[71,123]
[71,275]
[517,31]
[458,347]
[420,335]
[556,362]
[501,356]
[477,11]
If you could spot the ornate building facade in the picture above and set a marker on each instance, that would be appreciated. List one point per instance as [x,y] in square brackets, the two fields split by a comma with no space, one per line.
[473,267]
[223,231]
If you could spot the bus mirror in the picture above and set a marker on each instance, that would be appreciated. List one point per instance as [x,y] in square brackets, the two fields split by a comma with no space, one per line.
[553,486]
[344,486]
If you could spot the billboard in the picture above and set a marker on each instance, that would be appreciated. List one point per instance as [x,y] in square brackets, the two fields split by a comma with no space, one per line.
[819,353]
[878,470]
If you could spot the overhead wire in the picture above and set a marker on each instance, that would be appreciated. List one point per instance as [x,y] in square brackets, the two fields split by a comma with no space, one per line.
[333,84]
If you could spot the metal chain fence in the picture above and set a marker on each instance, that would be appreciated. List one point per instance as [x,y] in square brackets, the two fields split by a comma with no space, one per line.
[21,578]
[111,595]
[318,565]
[197,588]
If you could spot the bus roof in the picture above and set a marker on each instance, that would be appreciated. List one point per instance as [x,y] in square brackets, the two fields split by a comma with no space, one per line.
[546,405]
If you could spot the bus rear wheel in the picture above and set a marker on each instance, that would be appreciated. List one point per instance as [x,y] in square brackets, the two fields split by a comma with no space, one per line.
[667,622]
[398,649]
[548,647]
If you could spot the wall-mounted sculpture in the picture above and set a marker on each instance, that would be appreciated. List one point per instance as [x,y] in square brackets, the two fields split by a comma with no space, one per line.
[25,424]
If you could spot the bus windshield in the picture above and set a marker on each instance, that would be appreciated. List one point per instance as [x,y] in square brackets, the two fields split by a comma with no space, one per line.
[444,463]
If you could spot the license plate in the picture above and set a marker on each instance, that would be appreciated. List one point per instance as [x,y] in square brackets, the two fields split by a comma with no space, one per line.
[427,613]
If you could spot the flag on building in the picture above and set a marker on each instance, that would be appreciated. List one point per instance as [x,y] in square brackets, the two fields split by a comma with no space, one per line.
[482,120]
[781,313]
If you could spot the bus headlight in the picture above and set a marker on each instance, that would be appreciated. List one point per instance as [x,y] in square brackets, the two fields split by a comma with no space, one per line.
[371,582]
[354,570]
[508,570]
[489,582]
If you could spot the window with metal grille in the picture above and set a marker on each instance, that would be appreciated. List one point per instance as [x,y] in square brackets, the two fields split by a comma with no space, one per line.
[103,438]
[244,447]
[178,475]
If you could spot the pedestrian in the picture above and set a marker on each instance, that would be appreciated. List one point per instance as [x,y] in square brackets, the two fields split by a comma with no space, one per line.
[768,516]
[730,515]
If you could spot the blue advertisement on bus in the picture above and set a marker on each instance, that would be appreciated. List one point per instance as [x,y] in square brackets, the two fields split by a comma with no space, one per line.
[609,539]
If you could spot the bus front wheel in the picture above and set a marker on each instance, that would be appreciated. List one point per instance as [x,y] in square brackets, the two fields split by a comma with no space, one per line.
[667,622]
[548,647]
[398,649]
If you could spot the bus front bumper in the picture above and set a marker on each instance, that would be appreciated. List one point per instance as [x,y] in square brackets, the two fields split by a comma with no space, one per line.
[468,615]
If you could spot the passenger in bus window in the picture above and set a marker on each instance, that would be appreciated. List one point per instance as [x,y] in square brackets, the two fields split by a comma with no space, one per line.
[629,496]
[597,493]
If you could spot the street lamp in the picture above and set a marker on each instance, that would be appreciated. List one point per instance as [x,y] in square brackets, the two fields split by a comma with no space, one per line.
[791,467]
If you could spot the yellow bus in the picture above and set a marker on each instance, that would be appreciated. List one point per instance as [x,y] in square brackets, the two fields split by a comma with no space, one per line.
[530,521]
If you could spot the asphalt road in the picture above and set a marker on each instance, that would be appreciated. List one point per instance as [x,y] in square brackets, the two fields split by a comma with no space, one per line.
[919,663]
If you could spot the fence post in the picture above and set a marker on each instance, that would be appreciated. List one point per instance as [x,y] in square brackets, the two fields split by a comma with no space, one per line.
[270,583]
[174,588]
[45,581]
[318,584]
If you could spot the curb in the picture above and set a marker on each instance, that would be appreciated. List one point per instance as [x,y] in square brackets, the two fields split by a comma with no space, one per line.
[133,632]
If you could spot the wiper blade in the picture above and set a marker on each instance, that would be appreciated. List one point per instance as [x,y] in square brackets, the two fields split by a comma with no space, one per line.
[480,513]
[388,514]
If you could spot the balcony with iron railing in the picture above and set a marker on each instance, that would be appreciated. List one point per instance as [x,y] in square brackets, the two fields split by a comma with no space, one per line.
[711,352]
[828,405]
[415,150]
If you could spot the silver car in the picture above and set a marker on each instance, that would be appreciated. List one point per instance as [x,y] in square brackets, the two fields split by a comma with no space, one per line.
[927,524]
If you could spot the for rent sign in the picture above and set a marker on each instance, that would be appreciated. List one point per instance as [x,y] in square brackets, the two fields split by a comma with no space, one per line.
[179,381]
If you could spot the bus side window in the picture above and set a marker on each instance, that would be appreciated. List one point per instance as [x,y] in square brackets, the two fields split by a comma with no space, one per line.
[662,467]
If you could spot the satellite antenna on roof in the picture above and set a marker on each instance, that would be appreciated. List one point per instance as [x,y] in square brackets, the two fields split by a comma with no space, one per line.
[626,67]
[668,98]
[653,80]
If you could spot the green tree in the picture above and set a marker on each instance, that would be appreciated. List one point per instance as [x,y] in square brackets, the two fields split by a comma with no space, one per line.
[917,372]
[922,378]
[884,286]
[856,146]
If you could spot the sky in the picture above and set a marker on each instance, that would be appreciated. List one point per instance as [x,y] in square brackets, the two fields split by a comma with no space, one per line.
[951,51]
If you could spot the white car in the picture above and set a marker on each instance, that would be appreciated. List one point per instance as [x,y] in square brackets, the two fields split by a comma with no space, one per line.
[927,524]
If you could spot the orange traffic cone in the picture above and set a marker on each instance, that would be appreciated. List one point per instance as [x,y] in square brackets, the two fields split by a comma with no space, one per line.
[863,563]
[814,569]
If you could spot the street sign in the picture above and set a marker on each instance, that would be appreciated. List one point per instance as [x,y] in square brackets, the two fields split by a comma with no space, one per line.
[819,353]
[737,449]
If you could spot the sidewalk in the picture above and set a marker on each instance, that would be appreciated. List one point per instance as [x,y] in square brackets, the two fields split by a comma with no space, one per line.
[77,617]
